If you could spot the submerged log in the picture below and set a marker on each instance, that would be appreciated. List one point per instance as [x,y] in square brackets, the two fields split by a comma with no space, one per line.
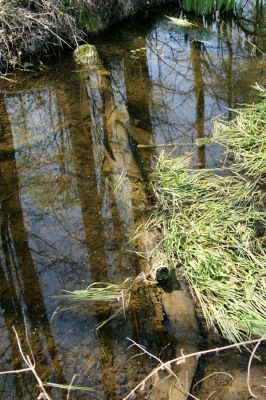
[172,305]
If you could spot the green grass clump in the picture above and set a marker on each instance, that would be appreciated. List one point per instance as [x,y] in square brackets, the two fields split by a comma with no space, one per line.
[209,222]
[245,139]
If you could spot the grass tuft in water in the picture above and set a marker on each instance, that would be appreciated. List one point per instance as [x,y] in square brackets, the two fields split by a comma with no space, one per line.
[245,139]
[100,292]
[97,291]
[209,223]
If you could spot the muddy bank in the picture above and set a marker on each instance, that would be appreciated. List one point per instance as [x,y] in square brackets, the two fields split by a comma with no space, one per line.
[36,28]
[33,30]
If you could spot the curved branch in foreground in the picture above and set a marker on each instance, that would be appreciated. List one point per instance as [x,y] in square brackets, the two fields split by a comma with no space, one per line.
[182,359]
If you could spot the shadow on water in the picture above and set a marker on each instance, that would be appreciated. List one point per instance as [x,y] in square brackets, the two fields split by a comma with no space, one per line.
[73,187]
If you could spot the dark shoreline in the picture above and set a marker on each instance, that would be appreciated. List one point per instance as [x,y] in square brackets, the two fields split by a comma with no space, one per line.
[30,30]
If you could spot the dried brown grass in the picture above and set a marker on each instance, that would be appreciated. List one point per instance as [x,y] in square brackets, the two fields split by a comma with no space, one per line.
[33,27]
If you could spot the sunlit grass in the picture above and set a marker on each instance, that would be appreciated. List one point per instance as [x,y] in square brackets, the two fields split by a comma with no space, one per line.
[118,294]
[209,222]
[245,139]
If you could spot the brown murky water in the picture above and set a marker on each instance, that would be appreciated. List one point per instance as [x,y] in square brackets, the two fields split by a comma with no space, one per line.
[73,188]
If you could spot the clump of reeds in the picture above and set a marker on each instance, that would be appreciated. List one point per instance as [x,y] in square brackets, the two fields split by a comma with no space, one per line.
[208,6]
[209,222]
[245,138]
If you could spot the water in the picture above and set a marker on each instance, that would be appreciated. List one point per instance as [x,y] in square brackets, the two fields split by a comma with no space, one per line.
[73,188]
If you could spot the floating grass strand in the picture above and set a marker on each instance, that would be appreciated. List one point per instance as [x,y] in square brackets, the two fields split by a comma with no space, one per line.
[70,387]
[245,139]
[209,222]
[97,291]
[118,294]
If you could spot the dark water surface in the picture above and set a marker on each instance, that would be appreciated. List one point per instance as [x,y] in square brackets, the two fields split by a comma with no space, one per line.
[72,187]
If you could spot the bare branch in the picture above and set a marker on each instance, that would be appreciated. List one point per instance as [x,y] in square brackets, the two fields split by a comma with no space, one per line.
[249,368]
[183,358]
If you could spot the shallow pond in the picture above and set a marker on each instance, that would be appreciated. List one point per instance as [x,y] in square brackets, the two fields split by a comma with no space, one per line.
[77,145]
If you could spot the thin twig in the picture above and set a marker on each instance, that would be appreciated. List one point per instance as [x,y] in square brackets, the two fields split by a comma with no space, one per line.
[211,394]
[7,79]
[15,371]
[249,368]
[183,358]
[31,365]
[210,375]
[50,30]
[148,146]
[70,386]
[162,367]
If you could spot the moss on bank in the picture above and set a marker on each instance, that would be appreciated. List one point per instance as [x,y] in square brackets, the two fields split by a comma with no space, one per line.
[31,28]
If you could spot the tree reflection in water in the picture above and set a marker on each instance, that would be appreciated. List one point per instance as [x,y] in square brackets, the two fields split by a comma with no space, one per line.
[65,142]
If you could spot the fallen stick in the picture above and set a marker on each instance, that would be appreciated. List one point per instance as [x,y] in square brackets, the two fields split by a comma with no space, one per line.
[183,357]
[7,79]
[30,366]
[148,146]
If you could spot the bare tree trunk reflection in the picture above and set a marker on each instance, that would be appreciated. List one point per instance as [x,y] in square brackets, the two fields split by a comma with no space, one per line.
[20,292]
[92,191]
[138,93]
[196,60]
